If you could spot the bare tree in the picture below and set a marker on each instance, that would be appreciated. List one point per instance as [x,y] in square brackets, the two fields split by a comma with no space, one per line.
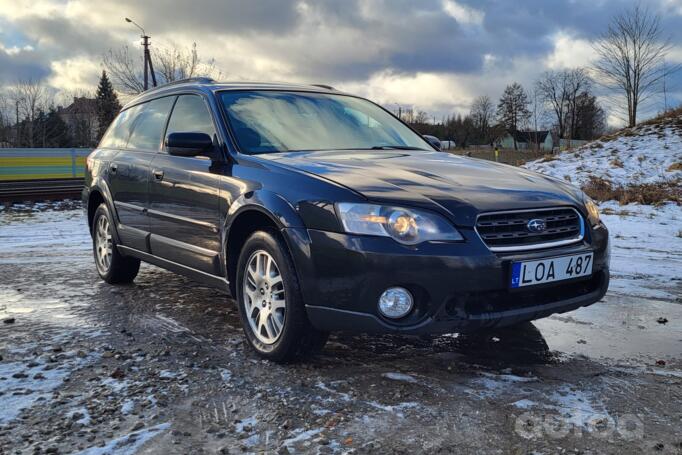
[559,90]
[124,70]
[5,121]
[482,113]
[422,117]
[512,110]
[631,57]
[552,87]
[171,63]
[578,82]
[30,97]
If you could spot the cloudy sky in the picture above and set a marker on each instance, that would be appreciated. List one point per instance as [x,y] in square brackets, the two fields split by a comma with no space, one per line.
[436,55]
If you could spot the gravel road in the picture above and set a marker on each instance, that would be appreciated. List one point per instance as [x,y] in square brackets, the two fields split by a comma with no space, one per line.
[161,366]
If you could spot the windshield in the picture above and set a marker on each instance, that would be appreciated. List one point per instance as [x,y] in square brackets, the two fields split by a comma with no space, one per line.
[273,121]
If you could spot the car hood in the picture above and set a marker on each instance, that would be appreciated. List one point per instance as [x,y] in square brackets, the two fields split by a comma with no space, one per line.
[461,186]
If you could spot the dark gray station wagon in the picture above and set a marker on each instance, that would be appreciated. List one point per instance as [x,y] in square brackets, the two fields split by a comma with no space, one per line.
[320,211]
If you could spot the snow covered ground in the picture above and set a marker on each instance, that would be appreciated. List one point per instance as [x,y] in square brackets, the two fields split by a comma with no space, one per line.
[646,240]
[646,154]
[646,249]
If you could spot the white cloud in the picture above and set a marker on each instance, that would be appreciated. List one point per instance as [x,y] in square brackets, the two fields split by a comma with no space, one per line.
[79,74]
[462,13]
[570,52]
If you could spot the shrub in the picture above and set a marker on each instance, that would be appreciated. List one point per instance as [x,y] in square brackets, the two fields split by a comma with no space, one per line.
[601,189]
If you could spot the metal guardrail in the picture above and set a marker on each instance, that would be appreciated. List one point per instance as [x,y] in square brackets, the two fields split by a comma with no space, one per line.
[39,190]
[20,164]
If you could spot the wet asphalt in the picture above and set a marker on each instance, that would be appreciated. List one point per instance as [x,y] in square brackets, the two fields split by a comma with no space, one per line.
[161,366]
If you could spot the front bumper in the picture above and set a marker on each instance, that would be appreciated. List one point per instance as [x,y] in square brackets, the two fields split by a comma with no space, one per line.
[457,286]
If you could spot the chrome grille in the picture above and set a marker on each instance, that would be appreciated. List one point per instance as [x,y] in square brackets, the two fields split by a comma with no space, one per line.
[508,231]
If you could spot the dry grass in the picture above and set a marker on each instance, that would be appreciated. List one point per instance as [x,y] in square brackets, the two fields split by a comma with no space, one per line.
[670,115]
[549,157]
[506,156]
[616,162]
[645,193]
[675,167]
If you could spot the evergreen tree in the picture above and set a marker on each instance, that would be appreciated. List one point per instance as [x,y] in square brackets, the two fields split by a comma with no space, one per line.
[107,104]
[56,130]
[512,111]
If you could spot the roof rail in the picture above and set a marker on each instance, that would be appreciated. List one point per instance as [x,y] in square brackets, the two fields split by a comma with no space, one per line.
[200,79]
[328,87]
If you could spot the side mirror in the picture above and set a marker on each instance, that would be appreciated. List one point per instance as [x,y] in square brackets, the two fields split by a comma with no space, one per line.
[188,144]
[433,140]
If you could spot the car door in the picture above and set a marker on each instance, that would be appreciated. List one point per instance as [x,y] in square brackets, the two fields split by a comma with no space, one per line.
[130,170]
[184,200]
[128,176]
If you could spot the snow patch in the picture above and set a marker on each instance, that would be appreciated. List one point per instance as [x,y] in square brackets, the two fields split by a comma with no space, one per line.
[652,235]
[524,404]
[578,407]
[641,156]
[127,444]
[496,384]
[400,377]
[24,392]
[301,435]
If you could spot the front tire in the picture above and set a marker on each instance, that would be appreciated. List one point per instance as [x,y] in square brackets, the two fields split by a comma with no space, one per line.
[269,300]
[112,267]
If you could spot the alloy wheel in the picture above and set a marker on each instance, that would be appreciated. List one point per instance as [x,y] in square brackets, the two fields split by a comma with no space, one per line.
[103,244]
[264,297]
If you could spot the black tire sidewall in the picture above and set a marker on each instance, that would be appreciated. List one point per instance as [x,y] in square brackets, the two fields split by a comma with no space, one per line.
[295,318]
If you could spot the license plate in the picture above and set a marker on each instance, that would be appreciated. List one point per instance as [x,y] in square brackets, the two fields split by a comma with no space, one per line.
[529,273]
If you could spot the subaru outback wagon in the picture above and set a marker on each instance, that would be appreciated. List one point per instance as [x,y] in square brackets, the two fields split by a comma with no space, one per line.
[321,211]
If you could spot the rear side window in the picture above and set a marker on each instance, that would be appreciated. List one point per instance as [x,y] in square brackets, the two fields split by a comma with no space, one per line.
[118,133]
[190,115]
[149,125]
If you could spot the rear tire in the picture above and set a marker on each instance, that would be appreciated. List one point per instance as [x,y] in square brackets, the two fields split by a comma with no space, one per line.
[112,267]
[270,303]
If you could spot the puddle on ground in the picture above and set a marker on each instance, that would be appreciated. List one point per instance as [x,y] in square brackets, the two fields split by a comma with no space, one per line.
[619,327]
[24,307]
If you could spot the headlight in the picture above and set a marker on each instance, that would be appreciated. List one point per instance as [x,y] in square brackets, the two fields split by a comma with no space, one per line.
[592,211]
[408,226]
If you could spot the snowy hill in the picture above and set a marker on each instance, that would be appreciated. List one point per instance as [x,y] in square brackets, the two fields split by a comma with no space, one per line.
[649,153]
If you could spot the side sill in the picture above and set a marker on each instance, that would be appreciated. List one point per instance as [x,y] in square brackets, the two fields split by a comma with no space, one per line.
[213,281]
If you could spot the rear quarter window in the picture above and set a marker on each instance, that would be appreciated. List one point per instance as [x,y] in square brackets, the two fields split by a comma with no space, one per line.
[118,133]
[149,124]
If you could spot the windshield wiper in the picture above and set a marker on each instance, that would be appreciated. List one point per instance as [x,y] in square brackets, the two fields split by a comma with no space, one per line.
[395,147]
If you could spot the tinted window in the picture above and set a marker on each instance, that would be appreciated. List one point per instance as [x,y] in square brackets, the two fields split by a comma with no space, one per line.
[190,114]
[149,125]
[270,121]
[118,133]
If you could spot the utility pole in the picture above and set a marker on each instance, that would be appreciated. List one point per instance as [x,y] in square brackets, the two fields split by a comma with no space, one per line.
[148,66]
[665,92]
[16,126]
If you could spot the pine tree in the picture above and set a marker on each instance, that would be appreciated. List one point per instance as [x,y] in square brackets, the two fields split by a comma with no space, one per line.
[512,111]
[107,104]
[56,130]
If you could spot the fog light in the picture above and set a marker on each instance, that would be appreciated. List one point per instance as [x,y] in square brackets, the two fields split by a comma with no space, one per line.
[395,303]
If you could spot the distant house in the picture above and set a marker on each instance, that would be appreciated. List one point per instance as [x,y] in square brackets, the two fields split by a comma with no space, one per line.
[527,140]
[81,119]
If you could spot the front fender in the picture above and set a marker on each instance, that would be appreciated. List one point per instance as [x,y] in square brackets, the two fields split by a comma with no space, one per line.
[271,204]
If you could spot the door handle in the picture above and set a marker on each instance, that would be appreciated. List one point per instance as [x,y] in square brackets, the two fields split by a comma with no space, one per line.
[113,167]
[158,175]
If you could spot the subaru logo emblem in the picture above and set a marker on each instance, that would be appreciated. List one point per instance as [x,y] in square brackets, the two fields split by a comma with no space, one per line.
[536,225]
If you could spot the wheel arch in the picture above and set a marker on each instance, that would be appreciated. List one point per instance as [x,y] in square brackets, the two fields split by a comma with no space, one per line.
[99,193]
[251,212]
